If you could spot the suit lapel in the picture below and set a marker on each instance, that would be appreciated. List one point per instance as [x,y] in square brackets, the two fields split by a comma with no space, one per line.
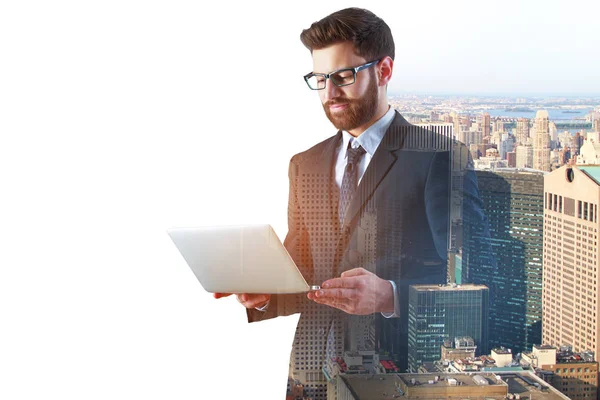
[323,165]
[382,161]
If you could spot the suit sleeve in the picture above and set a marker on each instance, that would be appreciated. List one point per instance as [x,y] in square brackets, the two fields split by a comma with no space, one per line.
[297,244]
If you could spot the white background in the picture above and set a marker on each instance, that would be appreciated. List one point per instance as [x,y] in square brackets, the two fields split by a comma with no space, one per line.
[120,119]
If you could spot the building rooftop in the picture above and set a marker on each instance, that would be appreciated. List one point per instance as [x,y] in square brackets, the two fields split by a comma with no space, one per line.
[448,287]
[460,343]
[522,171]
[544,347]
[573,358]
[593,171]
[527,384]
[447,379]
[431,367]
[499,384]
[515,368]
[502,350]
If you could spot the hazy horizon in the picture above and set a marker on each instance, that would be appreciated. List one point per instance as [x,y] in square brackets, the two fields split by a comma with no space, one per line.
[594,96]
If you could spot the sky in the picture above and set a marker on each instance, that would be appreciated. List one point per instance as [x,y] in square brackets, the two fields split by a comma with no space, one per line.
[497,47]
[121,119]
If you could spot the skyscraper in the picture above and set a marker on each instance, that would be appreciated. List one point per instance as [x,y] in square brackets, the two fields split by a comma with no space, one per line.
[485,124]
[522,132]
[513,203]
[571,253]
[511,159]
[439,313]
[498,125]
[578,141]
[506,145]
[553,131]
[541,147]
[524,156]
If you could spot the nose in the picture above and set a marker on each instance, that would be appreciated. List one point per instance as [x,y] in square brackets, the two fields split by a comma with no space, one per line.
[330,92]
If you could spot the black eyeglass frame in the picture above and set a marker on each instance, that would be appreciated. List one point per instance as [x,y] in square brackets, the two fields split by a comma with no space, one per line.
[354,70]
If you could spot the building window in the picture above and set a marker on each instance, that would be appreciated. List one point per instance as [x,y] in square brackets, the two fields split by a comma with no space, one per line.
[560,204]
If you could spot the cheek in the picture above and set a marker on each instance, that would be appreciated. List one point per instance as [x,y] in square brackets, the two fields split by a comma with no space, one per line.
[355,91]
[322,96]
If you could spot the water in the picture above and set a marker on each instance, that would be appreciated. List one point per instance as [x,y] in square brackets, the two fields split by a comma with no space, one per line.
[553,113]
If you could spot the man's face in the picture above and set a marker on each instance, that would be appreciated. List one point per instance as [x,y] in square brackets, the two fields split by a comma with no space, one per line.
[347,107]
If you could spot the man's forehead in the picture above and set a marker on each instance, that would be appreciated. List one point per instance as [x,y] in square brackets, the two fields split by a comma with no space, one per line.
[334,57]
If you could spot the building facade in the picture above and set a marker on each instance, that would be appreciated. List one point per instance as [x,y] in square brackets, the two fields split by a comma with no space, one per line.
[571,253]
[513,203]
[522,131]
[574,374]
[440,313]
[541,147]
[524,156]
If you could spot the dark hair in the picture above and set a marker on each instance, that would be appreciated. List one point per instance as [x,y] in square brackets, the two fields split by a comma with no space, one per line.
[371,36]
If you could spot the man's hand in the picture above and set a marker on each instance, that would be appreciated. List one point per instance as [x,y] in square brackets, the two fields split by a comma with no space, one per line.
[248,300]
[357,291]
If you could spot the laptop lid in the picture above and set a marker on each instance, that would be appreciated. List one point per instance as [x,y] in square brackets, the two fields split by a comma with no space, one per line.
[239,259]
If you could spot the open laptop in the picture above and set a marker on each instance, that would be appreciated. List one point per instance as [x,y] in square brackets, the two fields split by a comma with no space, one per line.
[239,259]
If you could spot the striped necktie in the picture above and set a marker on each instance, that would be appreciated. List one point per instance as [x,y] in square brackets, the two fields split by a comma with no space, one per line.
[350,180]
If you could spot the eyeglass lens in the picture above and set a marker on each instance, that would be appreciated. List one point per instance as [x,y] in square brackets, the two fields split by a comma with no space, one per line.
[340,78]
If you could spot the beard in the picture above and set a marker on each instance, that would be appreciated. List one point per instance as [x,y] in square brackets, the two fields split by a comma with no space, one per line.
[358,112]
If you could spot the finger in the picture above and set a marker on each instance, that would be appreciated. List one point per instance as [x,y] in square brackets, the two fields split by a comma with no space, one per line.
[339,283]
[253,300]
[261,301]
[354,272]
[334,302]
[242,297]
[337,293]
[256,302]
[219,295]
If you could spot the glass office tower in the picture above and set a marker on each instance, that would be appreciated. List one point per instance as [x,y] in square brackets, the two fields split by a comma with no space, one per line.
[443,312]
[514,205]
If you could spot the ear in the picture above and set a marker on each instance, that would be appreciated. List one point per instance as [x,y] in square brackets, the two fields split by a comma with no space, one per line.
[384,70]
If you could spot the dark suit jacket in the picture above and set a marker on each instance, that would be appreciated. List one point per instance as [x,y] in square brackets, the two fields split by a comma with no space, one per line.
[396,226]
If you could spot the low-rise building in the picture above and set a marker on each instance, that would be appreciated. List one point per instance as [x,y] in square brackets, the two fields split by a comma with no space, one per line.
[481,385]
[574,374]
[461,348]
[502,356]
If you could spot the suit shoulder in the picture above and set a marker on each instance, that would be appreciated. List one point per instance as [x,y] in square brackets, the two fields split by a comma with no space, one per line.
[426,137]
[313,153]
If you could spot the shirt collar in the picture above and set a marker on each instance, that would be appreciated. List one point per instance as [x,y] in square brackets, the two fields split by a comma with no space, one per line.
[372,136]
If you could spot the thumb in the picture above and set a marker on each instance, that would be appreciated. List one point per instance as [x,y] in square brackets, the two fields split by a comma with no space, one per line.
[219,295]
[354,272]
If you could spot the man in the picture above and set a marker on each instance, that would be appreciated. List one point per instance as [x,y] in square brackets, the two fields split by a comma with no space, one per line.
[368,208]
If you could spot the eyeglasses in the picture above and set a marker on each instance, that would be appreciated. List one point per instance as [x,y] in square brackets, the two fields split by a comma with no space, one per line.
[341,77]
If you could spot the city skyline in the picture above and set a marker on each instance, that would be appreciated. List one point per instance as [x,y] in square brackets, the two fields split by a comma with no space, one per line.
[540,95]
[113,117]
